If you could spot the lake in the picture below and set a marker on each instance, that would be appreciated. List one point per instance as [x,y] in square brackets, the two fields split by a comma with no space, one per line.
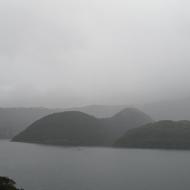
[39,167]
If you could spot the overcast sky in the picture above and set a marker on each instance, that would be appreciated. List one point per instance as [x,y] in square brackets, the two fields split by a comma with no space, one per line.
[64,53]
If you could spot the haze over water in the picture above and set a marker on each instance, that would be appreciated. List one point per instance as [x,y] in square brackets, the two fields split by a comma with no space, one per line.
[46,167]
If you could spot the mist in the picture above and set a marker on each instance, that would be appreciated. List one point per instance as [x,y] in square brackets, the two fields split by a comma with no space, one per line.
[56,53]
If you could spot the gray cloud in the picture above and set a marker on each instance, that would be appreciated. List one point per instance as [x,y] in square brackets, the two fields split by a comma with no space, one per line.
[73,52]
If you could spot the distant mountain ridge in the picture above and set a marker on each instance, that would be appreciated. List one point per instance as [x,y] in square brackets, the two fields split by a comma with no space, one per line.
[126,119]
[14,120]
[178,109]
[99,111]
[77,128]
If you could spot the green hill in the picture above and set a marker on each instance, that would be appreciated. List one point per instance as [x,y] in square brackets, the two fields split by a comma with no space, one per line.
[162,134]
[79,129]
[124,120]
[66,128]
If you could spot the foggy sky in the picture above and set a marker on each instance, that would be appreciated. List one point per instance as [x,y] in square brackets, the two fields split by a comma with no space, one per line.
[63,53]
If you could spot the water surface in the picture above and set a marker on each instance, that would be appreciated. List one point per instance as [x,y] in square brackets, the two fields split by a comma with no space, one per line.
[38,167]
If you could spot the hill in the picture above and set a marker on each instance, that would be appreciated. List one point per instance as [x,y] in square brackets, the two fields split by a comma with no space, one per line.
[77,128]
[66,128]
[162,134]
[126,119]
[14,120]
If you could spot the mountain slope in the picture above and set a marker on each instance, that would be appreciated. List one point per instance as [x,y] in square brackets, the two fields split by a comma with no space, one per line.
[67,128]
[14,120]
[162,134]
[77,128]
[124,120]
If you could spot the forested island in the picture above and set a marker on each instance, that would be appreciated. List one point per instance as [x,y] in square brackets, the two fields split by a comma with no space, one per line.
[162,134]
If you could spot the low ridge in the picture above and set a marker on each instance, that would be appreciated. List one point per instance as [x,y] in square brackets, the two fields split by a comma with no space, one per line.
[66,128]
[77,128]
[126,119]
[162,134]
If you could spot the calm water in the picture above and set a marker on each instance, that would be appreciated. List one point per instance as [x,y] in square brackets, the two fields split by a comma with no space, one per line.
[37,167]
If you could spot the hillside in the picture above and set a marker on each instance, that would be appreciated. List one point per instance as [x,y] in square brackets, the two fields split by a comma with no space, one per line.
[77,128]
[14,120]
[162,134]
[126,119]
[66,128]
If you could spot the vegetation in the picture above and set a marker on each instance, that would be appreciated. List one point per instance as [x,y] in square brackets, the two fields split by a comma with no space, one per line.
[7,184]
[162,134]
[67,128]
[15,120]
[79,129]
[126,119]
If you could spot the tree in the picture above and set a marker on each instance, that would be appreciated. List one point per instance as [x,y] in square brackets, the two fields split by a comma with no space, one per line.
[7,184]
